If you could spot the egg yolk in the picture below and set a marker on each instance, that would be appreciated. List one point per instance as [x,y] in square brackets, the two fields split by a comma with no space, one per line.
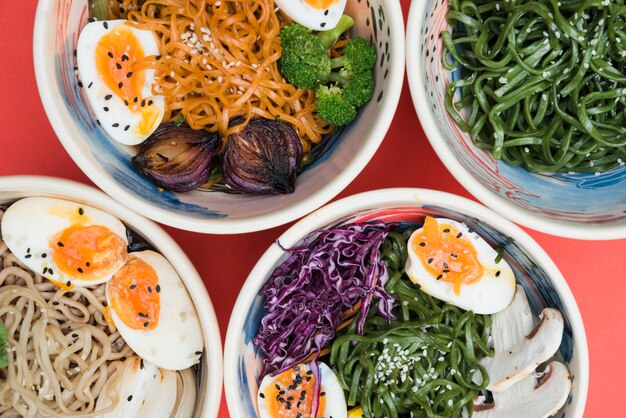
[88,252]
[290,395]
[117,54]
[321,4]
[134,293]
[447,254]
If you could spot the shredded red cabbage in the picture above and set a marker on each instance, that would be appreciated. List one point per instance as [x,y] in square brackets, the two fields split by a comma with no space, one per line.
[307,296]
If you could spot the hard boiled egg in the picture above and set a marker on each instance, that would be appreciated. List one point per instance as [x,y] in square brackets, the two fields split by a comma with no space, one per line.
[66,242]
[153,312]
[459,267]
[313,14]
[290,394]
[110,56]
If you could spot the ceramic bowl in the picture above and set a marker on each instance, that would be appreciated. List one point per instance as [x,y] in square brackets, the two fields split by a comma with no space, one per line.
[584,206]
[541,279]
[210,366]
[107,163]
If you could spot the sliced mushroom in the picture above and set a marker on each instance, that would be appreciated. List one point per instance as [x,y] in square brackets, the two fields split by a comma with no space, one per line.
[542,401]
[510,326]
[510,366]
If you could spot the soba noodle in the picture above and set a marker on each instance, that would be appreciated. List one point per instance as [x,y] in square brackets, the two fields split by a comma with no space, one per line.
[61,350]
[220,62]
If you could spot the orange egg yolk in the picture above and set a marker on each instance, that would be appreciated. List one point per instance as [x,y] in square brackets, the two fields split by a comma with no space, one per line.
[447,254]
[134,293]
[117,54]
[321,4]
[291,395]
[88,252]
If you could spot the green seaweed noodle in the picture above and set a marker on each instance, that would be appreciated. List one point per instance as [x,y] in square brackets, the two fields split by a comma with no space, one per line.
[420,365]
[545,81]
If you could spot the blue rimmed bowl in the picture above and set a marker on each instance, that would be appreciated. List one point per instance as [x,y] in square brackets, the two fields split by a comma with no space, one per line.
[584,206]
[107,163]
[534,270]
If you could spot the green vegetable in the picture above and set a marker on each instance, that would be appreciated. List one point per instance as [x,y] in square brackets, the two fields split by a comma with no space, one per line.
[99,9]
[3,346]
[333,106]
[358,56]
[180,120]
[422,363]
[545,81]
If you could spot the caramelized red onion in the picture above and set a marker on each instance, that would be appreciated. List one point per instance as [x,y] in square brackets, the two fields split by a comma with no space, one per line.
[262,158]
[177,158]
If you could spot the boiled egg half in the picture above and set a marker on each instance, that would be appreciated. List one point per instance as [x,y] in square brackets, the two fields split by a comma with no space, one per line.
[153,312]
[459,267]
[314,14]
[69,243]
[290,394]
[111,64]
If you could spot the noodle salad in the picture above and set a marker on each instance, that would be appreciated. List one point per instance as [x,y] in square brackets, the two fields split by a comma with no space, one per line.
[93,322]
[394,320]
[181,80]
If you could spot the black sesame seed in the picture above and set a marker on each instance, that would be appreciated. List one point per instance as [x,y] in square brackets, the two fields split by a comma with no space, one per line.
[158,288]
[145,324]
[141,364]
[453,255]
[50,271]
[28,250]
[44,255]
[55,303]
[142,315]
[106,25]
[108,97]
[149,289]
[118,65]
[498,273]
[90,84]
[28,256]
[150,102]
[81,211]
[322,24]
[445,265]
[422,244]
[446,271]
[80,84]
[115,125]
[119,85]
[74,335]
[158,57]
[68,283]
[87,263]
[133,286]
[459,235]
[106,109]
[127,127]
[130,398]
[198,353]
[439,277]
[430,261]
[122,10]
[322,393]
[136,99]
[124,57]
[126,102]
[143,102]
[80,270]
[262,395]
[110,54]
[446,230]
[129,74]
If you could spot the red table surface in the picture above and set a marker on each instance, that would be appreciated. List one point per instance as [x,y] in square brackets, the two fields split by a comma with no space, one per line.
[593,269]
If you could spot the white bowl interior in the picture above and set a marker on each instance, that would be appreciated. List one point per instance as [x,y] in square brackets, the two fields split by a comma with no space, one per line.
[57,25]
[210,368]
[544,284]
[574,205]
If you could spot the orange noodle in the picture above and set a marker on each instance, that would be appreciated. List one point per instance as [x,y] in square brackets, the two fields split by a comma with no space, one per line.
[220,61]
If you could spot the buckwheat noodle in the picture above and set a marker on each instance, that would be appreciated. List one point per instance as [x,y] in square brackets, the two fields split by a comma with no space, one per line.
[220,62]
[61,350]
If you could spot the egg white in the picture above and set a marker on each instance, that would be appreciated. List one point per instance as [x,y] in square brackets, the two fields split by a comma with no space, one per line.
[29,224]
[176,342]
[310,17]
[336,406]
[118,116]
[488,295]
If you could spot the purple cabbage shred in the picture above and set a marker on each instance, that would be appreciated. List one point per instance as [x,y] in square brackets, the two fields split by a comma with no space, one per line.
[307,296]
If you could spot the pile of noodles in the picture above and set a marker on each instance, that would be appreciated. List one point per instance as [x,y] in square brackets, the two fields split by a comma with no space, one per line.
[61,350]
[219,61]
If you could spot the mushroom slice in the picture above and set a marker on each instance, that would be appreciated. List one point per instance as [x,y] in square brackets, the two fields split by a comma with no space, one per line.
[510,366]
[543,401]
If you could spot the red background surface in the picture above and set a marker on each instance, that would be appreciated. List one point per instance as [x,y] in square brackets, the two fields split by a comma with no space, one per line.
[594,270]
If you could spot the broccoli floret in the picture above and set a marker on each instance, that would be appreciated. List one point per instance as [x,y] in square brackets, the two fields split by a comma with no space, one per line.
[358,56]
[305,62]
[333,107]
[361,88]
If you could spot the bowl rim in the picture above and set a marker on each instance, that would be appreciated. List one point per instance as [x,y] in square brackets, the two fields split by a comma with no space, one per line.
[385,198]
[40,185]
[566,229]
[284,214]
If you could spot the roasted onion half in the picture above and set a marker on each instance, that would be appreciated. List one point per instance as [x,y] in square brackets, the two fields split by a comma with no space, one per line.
[262,158]
[177,158]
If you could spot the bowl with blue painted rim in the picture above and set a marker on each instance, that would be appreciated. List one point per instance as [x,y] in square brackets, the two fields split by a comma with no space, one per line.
[107,163]
[542,281]
[582,206]
[209,370]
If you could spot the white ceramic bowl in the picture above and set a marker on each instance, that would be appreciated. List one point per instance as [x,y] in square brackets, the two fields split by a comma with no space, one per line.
[106,163]
[544,284]
[210,367]
[582,206]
